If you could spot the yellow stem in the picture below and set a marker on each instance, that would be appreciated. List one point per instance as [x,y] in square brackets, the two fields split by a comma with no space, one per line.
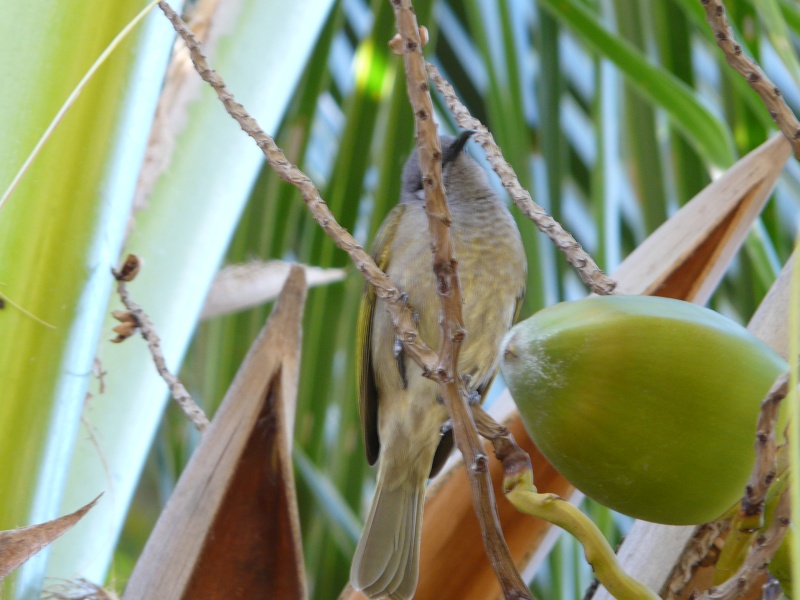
[550,507]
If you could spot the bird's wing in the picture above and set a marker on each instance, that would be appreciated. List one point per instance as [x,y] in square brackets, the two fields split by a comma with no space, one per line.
[367,390]
[487,383]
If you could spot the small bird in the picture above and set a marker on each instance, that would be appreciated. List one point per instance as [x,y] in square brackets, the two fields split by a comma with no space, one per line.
[403,418]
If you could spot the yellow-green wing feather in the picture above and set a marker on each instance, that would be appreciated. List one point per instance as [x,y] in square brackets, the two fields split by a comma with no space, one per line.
[367,390]
[484,387]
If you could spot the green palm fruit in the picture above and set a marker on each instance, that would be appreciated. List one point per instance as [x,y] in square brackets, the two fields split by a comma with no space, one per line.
[648,405]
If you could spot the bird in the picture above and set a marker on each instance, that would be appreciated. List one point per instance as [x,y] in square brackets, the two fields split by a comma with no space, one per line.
[404,420]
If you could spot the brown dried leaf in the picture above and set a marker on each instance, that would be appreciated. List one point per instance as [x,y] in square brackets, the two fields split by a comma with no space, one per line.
[242,286]
[18,545]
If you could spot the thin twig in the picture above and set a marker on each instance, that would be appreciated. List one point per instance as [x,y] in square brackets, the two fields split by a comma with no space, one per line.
[513,458]
[764,470]
[452,330]
[757,561]
[750,517]
[401,314]
[430,159]
[696,553]
[587,269]
[148,331]
[78,589]
[747,68]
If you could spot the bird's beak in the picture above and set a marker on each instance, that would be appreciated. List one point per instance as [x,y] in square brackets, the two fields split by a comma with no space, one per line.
[456,147]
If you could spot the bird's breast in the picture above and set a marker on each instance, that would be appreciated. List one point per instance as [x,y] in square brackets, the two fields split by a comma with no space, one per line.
[491,269]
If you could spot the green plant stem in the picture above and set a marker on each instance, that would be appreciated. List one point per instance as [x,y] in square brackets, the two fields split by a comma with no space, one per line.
[743,531]
[524,496]
[733,552]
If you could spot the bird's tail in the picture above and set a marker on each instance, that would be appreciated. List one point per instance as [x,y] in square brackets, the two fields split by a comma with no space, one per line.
[386,562]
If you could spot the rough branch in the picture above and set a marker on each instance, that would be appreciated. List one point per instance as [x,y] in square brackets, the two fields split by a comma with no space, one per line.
[452,324]
[747,68]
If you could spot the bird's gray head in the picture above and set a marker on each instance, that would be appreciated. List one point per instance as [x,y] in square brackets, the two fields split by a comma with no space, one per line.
[462,176]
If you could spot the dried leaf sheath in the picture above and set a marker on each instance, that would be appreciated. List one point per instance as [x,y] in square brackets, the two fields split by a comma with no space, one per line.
[238,489]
